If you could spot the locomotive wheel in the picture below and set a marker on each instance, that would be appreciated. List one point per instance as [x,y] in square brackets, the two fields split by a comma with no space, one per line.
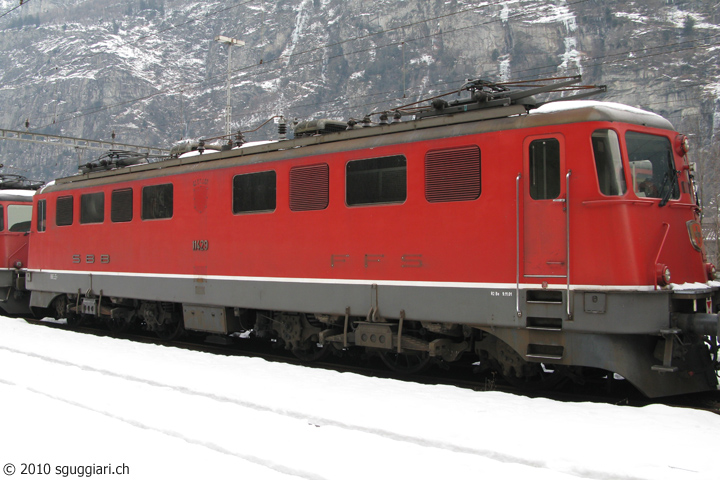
[406,363]
[542,377]
[311,352]
[170,331]
[118,325]
[75,320]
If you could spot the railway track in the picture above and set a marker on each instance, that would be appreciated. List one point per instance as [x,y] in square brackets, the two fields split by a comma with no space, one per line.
[608,391]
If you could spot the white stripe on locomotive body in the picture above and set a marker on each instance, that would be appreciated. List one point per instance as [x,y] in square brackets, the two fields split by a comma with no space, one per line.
[348,281]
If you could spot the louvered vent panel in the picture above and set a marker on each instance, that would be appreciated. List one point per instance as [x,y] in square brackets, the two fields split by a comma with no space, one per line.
[309,187]
[121,205]
[64,211]
[452,175]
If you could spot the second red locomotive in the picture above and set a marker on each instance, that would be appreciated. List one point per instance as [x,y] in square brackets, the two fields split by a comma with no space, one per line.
[16,197]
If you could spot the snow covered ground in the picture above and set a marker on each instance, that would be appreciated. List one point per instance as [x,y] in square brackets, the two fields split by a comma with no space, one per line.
[73,404]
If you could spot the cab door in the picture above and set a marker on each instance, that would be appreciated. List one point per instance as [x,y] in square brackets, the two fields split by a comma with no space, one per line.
[544,207]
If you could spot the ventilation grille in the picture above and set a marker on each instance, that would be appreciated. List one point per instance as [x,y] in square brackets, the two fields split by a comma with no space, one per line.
[121,205]
[452,175]
[309,187]
[64,211]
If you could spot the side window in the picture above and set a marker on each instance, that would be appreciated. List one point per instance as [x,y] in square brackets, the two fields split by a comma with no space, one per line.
[41,214]
[608,162]
[254,192]
[121,205]
[376,180]
[157,201]
[652,166]
[309,187]
[2,218]
[19,218]
[545,169]
[452,175]
[92,208]
[64,211]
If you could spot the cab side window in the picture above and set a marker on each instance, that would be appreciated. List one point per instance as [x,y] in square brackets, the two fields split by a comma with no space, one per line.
[42,209]
[608,162]
[545,169]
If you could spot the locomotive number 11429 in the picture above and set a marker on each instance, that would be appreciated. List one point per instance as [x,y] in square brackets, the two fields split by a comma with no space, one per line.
[200,245]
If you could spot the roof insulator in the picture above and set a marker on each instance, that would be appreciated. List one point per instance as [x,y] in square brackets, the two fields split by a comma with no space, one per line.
[439,104]
[480,96]
[239,139]
[282,128]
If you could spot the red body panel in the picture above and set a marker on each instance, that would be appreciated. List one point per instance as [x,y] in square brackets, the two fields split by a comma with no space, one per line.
[614,241]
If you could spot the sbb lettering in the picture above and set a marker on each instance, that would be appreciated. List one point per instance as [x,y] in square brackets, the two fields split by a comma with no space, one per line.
[90,258]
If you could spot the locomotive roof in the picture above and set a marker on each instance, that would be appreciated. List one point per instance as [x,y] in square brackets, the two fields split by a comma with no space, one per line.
[432,127]
[618,112]
[16,195]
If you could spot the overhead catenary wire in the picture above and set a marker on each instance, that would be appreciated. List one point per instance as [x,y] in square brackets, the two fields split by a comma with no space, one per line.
[189,86]
[21,4]
[186,86]
[295,54]
[398,93]
[357,37]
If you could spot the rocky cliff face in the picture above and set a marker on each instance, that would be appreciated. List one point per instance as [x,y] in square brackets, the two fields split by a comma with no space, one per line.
[150,71]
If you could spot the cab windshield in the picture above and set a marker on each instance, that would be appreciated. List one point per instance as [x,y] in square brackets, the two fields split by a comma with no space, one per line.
[651,166]
[19,218]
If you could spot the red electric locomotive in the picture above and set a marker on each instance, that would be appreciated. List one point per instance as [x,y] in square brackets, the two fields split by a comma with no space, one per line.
[16,194]
[542,242]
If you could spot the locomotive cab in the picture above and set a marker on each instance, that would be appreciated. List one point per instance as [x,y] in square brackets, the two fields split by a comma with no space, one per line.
[632,259]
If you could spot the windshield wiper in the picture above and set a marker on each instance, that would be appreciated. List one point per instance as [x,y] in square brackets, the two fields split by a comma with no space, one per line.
[669,186]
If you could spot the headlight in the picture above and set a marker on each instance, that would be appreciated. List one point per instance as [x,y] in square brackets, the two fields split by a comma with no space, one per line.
[663,275]
[711,271]
[682,144]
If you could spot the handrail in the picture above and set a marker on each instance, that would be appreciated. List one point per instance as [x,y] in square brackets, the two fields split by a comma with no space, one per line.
[657,257]
[517,245]
[24,245]
[567,240]
[619,201]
